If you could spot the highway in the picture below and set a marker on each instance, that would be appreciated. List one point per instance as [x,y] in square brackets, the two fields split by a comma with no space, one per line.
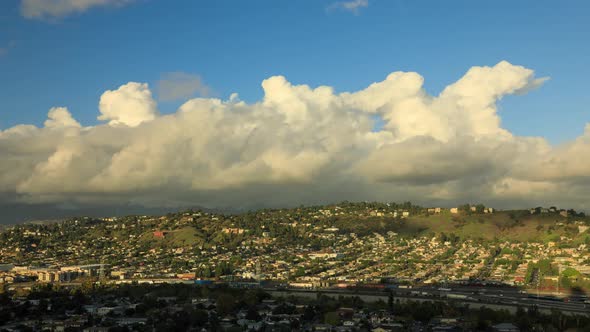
[474,297]
[507,298]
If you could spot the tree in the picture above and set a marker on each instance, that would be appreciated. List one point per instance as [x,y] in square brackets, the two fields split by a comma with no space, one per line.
[253,314]
[225,304]
[331,318]
[479,208]
[390,301]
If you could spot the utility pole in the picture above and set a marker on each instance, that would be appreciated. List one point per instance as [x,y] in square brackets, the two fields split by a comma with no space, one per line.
[538,281]
[558,278]
[258,270]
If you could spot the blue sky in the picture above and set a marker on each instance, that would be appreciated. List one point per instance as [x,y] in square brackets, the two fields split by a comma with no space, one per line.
[59,58]
[234,45]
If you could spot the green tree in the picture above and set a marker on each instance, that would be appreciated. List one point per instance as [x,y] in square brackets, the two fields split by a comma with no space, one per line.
[225,304]
[332,318]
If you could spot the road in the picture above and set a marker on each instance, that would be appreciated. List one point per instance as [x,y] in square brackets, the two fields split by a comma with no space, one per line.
[474,297]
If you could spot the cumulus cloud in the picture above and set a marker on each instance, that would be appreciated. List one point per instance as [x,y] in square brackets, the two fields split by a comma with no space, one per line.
[299,144]
[60,117]
[130,105]
[51,9]
[353,6]
[179,85]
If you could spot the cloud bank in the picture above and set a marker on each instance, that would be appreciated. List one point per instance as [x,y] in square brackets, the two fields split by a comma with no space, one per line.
[52,9]
[299,145]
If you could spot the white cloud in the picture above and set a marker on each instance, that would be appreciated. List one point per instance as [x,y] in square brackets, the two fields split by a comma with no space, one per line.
[60,117]
[130,105]
[51,9]
[300,145]
[353,6]
[179,85]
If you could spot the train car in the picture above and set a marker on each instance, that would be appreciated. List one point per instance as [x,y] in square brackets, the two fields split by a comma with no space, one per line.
[203,282]
[370,287]
[343,285]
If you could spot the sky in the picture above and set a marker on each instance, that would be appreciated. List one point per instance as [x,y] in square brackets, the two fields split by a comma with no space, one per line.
[161,104]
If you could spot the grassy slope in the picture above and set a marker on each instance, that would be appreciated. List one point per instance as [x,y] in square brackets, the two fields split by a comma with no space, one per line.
[500,225]
[183,237]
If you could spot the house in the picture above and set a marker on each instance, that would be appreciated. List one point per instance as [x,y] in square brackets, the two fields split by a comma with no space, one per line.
[325,255]
[307,285]
[446,328]
[103,311]
[505,327]
[405,214]
[388,327]
[97,329]
[131,320]
[322,327]
[187,219]
[379,329]
[564,213]
[519,280]
[160,234]
[454,210]
[234,230]
[187,276]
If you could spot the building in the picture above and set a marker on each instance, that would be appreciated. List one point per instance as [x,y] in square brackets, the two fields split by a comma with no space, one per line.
[308,285]
[325,255]
[454,210]
[6,267]
[46,276]
[505,327]
[160,234]
[234,230]
[187,276]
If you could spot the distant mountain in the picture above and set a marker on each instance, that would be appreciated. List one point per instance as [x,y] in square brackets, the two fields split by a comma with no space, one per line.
[18,213]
